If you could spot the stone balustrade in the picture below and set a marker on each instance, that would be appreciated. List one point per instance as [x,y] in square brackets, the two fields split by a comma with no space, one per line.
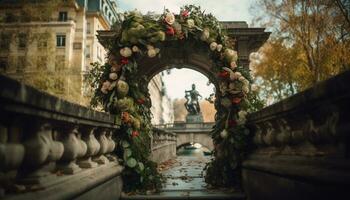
[163,145]
[302,145]
[48,145]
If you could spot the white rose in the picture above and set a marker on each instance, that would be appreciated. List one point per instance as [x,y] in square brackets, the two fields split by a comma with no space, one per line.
[151,53]
[219,47]
[113,76]
[254,87]
[157,50]
[213,46]
[223,134]
[242,117]
[105,87]
[233,65]
[190,23]
[245,89]
[150,47]
[238,74]
[135,49]
[169,18]
[241,79]
[125,52]
[205,34]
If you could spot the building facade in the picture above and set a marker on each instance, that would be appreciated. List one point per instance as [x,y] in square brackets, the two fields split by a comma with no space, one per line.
[162,106]
[51,48]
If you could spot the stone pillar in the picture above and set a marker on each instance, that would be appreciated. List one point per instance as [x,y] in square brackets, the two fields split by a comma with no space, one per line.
[11,157]
[73,148]
[102,139]
[93,147]
[41,154]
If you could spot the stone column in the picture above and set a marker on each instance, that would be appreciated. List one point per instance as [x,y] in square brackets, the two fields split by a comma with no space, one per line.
[11,157]
[93,147]
[73,148]
[102,139]
[41,154]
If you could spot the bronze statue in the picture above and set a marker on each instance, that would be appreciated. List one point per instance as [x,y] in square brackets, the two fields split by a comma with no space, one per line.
[192,103]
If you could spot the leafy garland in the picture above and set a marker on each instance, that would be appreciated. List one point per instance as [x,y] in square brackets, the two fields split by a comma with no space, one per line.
[121,91]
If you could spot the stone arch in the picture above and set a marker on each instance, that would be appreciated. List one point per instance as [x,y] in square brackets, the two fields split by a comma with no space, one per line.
[184,54]
[201,138]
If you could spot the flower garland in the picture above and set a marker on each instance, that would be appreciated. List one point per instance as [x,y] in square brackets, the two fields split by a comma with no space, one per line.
[122,92]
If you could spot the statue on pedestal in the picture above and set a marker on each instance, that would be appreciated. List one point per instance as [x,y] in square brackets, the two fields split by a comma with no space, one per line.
[192,103]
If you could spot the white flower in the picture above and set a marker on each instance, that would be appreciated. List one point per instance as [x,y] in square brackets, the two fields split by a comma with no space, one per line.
[219,47]
[231,55]
[205,34]
[233,65]
[190,23]
[157,50]
[213,46]
[135,49]
[241,79]
[169,18]
[113,76]
[150,47]
[126,52]
[112,86]
[254,87]
[105,86]
[242,117]
[223,134]
[238,74]
[151,53]
[245,89]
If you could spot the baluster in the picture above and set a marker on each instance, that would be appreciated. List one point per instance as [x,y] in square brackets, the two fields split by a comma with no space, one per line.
[100,158]
[93,147]
[11,156]
[111,146]
[72,149]
[41,153]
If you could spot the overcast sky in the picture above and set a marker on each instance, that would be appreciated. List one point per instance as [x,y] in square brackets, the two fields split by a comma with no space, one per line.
[224,10]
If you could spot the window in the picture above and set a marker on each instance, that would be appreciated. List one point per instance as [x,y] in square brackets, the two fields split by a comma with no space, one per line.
[5,40]
[87,49]
[88,28]
[60,40]
[59,63]
[62,16]
[3,64]
[22,40]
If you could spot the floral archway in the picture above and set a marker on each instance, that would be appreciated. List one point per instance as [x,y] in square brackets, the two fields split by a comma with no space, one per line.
[121,89]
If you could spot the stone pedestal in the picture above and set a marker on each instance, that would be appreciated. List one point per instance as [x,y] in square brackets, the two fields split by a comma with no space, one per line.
[198,118]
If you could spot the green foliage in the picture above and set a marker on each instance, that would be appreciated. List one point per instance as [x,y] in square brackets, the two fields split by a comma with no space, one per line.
[121,90]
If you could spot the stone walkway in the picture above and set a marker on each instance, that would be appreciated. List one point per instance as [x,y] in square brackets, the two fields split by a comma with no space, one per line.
[185,180]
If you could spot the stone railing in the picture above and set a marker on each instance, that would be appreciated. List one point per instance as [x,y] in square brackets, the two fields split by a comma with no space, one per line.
[302,145]
[53,149]
[163,145]
[186,126]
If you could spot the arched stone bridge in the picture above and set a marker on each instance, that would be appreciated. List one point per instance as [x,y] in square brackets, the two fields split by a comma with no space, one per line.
[187,133]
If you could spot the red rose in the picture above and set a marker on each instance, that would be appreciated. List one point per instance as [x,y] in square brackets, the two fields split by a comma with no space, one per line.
[170,31]
[236,100]
[223,74]
[124,61]
[185,13]
[135,134]
[232,123]
[140,101]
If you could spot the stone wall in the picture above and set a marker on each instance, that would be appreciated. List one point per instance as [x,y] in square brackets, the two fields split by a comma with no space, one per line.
[163,145]
[302,145]
[53,149]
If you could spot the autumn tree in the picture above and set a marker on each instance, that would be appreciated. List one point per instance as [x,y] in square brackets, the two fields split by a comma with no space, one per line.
[310,43]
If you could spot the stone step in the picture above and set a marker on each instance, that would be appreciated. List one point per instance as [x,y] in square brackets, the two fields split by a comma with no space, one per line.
[187,195]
